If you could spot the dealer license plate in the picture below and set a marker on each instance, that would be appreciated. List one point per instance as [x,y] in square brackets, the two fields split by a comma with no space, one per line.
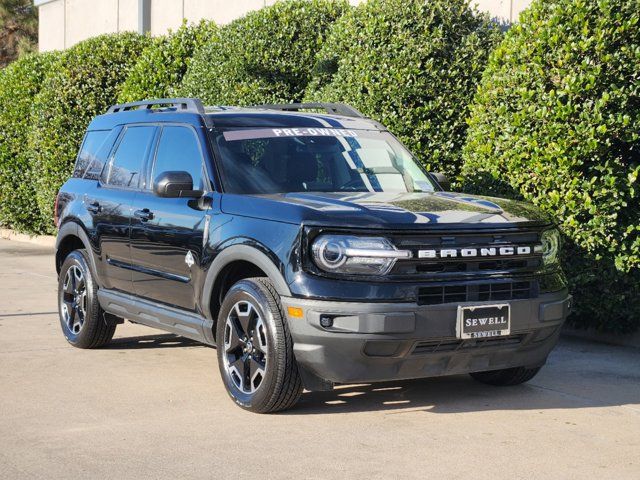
[483,321]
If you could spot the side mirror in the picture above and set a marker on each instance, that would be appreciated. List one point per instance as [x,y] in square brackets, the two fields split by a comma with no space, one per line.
[175,185]
[442,180]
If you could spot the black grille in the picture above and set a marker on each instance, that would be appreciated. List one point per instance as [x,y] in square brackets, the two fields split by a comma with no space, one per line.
[483,292]
[441,346]
[505,291]
[475,265]
[440,268]
[469,278]
[442,294]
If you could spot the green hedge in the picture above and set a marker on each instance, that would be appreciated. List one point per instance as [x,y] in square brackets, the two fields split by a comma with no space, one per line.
[85,83]
[266,56]
[556,118]
[159,70]
[19,84]
[557,122]
[413,65]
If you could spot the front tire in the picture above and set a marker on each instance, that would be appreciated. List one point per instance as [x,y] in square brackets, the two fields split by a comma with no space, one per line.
[82,319]
[506,377]
[255,349]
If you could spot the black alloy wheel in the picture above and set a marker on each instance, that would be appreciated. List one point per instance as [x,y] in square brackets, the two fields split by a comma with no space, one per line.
[255,349]
[84,323]
[245,347]
[73,300]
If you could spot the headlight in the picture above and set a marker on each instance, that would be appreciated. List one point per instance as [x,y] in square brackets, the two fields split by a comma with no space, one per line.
[355,255]
[550,246]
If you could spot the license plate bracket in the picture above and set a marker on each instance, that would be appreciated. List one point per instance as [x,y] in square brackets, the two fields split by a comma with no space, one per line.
[483,321]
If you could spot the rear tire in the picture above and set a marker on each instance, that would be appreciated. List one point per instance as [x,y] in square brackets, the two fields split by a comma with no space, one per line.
[255,349]
[82,319]
[507,377]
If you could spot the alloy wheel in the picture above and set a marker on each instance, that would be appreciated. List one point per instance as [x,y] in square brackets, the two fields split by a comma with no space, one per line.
[74,299]
[245,345]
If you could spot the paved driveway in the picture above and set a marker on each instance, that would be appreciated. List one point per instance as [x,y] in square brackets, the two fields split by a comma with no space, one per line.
[153,406]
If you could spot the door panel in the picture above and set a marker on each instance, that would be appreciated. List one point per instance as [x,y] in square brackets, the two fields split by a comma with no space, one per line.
[112,205]
[111,210]
[167,233]
[160,245]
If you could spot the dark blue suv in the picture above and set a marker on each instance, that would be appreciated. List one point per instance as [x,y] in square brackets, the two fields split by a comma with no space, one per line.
[310,248]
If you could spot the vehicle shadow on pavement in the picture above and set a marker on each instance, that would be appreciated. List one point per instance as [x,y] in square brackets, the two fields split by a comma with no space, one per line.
[578,374]
[26,314]
[458,394]
[167,340]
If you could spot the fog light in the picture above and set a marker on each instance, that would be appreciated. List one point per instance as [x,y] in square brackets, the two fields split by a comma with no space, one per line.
[326,322]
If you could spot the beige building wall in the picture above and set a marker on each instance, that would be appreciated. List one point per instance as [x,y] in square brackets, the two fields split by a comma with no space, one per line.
[51,26]
[66,22]
[127,15]
[97,17]
[63,23]
[166,15]
[505,10]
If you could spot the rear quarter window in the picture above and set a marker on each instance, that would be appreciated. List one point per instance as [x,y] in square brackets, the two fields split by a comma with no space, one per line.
[94,152]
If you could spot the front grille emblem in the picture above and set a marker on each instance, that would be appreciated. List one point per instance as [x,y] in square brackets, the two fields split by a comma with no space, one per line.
[504,251]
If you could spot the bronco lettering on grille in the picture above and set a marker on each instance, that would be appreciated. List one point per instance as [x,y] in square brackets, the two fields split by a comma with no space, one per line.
[505,251]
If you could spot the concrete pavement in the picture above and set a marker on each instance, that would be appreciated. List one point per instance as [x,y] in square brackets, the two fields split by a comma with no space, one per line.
[152,405]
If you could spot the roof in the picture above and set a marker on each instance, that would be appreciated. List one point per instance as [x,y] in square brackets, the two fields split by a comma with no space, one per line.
[190,110]
[259,118]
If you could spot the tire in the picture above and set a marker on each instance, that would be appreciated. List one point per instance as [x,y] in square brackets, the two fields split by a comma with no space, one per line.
[82,319]
[507,377]
[255,349]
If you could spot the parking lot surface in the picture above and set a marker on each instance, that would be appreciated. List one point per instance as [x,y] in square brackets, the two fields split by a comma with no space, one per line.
[152,405]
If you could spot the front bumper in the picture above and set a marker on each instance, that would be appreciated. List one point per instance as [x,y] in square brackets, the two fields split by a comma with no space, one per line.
[371,342]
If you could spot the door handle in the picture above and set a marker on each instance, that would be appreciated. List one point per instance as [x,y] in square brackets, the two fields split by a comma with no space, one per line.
[144,215]
[94,207]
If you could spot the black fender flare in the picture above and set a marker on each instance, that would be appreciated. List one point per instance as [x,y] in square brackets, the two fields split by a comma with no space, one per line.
[73,229]
[240,252]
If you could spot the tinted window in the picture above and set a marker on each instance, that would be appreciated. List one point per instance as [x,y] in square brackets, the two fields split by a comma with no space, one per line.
[126,165]
[179,150]
[88,158]
[275,160]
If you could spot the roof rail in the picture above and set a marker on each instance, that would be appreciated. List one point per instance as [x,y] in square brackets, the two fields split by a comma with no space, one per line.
[193,105]
[331,108]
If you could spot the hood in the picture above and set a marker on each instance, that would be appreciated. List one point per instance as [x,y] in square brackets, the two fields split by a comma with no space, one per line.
[385,210]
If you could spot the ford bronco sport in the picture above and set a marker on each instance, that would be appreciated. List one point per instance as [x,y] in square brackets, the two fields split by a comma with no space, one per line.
[304,242]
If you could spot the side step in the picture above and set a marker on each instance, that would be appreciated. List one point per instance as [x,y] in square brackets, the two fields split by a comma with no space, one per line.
[169,319]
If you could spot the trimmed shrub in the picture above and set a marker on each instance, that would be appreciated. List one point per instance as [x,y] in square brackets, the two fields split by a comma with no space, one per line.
[557,122]
[159,70]
[266,56]
[86,81]
[19,84]
[413,65]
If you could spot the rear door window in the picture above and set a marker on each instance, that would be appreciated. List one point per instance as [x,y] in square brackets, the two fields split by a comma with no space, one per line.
[179,150]
[125,168]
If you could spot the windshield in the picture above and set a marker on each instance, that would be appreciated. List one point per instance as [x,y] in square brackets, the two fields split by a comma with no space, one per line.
[286,160]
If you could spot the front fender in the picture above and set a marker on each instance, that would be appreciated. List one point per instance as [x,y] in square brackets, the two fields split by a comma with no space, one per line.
[245,253]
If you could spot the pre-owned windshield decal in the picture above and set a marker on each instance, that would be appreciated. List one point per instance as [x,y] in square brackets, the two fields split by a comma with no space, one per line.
[288,132]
